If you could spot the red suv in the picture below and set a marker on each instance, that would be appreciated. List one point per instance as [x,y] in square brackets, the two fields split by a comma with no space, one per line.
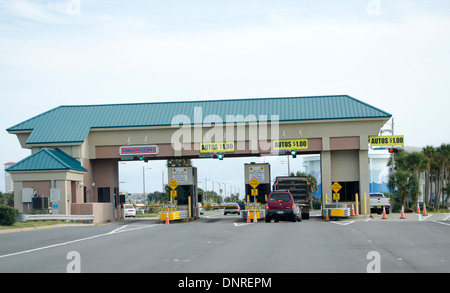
[281,206]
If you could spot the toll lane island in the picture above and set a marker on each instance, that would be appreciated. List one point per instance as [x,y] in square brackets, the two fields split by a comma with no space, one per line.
[226,283]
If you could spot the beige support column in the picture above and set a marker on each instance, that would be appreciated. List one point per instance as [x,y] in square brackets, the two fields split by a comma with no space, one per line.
[325,165]
[364,188]
[18,185]
[64,191]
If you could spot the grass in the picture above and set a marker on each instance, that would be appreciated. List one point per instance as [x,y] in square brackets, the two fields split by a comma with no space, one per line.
[149,215]
[32,224]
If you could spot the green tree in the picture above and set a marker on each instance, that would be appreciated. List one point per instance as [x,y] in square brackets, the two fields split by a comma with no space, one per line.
[408,165]
[429,153]
[179,163]
[159,196]
[311,177]
[437,173]
[446,192]
[7,199]
[404,184]
[442,174]
[232,198]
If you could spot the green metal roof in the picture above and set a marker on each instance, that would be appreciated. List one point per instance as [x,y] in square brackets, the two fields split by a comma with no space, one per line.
[71,124]
[47,160]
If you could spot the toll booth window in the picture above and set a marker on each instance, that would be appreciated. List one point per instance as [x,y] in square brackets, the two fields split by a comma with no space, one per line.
[348,190]
[183,193]
[104,194]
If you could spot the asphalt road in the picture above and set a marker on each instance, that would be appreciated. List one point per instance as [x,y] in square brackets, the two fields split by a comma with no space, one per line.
[226,244]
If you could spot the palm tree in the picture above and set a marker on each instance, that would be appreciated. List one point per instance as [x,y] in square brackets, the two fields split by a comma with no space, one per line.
[405,179]
[405,184]
[428,151]
[442,160]
[437,172]
[446,191]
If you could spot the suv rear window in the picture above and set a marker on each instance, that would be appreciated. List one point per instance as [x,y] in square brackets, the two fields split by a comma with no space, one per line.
[280,196]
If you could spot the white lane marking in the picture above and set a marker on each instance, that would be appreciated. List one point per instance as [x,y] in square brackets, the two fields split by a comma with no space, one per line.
[76,240]
[118,229]
[447,224]
[344,223]
[423,218]
[242,224]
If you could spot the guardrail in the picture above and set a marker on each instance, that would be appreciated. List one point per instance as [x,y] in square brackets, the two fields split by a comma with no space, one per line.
[55,217]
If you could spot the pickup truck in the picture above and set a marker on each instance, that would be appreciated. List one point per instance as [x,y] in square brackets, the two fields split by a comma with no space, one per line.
[378,201]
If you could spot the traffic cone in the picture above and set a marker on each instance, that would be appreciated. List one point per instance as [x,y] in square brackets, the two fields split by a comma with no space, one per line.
[384,213]
[402,215]
[327,218]
[353,211]
[248,217]
[418,208]
[167,217]
[424,212]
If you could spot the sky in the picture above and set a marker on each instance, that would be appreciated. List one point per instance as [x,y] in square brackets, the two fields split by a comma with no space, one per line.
[392,54]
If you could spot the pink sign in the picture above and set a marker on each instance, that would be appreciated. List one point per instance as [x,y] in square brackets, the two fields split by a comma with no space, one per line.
[139,150]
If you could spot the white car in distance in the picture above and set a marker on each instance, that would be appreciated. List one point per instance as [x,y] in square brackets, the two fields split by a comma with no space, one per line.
[129,210]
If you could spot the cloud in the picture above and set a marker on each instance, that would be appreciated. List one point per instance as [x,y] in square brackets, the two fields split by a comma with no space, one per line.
[45,13]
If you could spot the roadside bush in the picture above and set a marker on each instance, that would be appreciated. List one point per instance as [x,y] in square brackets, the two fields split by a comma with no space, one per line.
[153,210]
[8,215]
[396,206]
[316,204]
[39,212]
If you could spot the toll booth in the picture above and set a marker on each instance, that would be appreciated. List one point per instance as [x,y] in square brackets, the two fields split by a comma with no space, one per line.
[257,189]
[183,193]
[257,177]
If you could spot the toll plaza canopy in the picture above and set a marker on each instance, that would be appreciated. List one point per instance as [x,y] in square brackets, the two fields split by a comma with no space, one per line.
[71,124]
[335,126]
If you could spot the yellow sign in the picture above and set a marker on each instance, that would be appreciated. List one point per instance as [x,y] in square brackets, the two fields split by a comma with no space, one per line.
[336,187]
[337,213]
[169,208]
[392,140]
[290,144]
[252,206]
[215,147]
[254,182]
[254,192]
[336,196]
[173,184]
[173,193]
